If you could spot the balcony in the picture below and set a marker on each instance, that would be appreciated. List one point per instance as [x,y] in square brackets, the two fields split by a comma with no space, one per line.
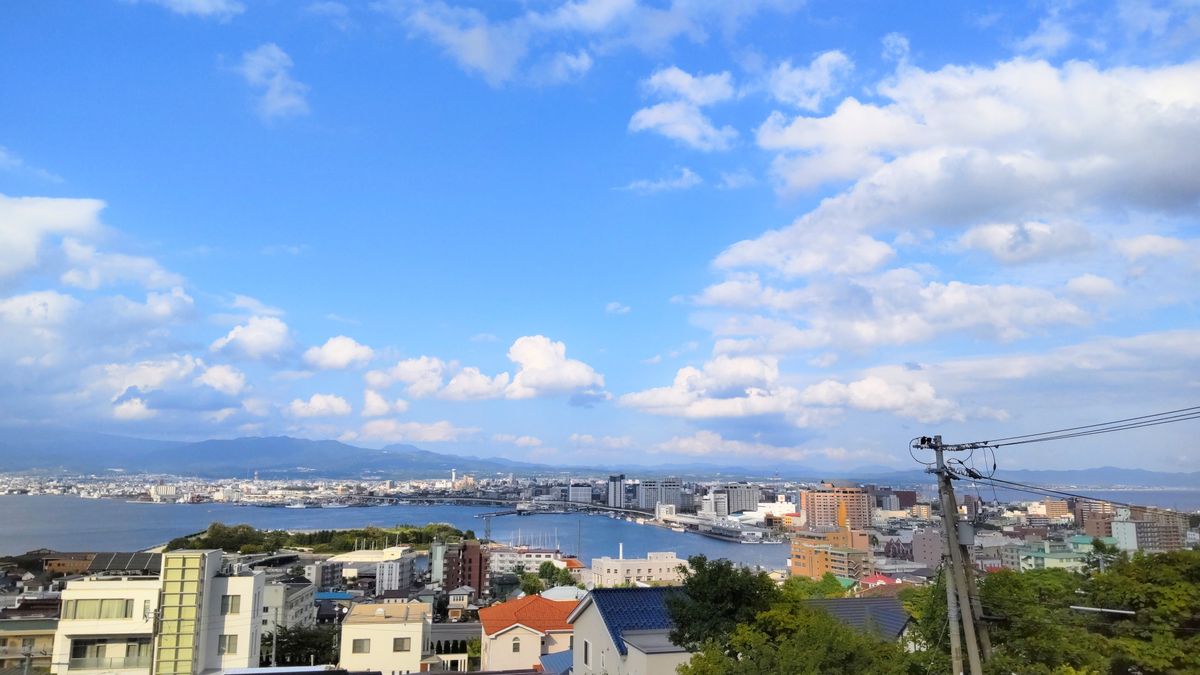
[113,663]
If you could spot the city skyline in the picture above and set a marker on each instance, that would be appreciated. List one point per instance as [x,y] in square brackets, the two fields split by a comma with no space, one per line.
[650,233]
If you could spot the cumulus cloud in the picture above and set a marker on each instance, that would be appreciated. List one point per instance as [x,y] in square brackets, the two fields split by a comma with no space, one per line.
[213,9]
[394,431]
[699,90]
[91,269]
[1027,242]
[375,405]
[544,369]
[223,378]
[1151,246]
[26,222]
[471,384]
[132,409]
[712,444]
[261,337]
[268,69]
[319,405]
[338,353]
[602,442]
[423,375]
[1092,286]
[683,121]
[807,87]
[615,307]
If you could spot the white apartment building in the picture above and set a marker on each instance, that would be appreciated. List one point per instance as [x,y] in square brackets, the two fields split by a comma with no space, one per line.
[654,568]
[324,573]
[288,605]
[208,617]
[580,492]
[506,559]
[666,491]
[715,504]
[395,575]
[389,638]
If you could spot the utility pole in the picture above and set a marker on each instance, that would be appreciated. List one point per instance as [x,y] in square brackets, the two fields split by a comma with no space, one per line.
[954,621]
[958,574]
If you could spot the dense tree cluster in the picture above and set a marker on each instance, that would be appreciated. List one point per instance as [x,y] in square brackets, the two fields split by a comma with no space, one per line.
[247,539]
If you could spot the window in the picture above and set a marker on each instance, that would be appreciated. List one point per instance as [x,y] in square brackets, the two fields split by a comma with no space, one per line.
[360,646]
[227,644]
[98,609]
[401,644]
[516,645]
[231,604]
[587,653]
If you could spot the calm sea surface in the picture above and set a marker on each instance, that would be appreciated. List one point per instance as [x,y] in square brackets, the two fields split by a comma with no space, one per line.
[73,524]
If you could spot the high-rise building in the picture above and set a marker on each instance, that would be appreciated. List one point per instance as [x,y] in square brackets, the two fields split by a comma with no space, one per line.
[465,563]
[742,496]
[1056,508]
[616,491]
[395,575]
[665,491]
[715,504]
[580,493]
[820,506]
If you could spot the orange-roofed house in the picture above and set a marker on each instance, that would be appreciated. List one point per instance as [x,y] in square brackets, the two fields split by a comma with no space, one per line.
[516,633]
[576,567]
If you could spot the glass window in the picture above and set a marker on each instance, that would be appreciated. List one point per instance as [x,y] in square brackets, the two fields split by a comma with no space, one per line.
[231,604]
[227,644]
[516,645]
[401,644]
[360,646]
[587,653]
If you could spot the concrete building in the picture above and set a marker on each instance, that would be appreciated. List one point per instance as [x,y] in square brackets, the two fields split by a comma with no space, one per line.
[1097,523]
[616,491]
[1147,535]
[458,563]
[27,639]
[580,493]
[288,603]
[624,631]
[1056,508]
[388,638]
[515,634]
[396,575]
[921,511]
[655,568]
[506,559]
[665,491]
[742,496]
[928,547]
[324,574]
[715,504]
[821,506]
[209,619]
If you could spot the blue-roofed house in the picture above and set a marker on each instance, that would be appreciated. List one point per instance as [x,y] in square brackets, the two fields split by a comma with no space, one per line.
[884,617]
[625,631]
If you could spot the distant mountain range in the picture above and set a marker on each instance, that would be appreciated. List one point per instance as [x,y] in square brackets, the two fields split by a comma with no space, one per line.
[45,450]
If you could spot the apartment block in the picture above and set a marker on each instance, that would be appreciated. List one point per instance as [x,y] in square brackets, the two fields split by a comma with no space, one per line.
[616,491]
[27,640]
[655,568]
[823,506]
[288,603]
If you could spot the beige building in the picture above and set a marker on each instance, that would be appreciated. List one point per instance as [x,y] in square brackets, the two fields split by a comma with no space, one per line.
[517,633]
[655,568]
[829,505]
[389,638]
[208,620]
[31,639]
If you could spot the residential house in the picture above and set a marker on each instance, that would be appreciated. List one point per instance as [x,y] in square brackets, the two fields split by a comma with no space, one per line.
[388,638]
[515,634]
[624,631]
[25,639]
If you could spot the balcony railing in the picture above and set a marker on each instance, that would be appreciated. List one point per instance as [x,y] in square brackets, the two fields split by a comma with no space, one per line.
[113,663]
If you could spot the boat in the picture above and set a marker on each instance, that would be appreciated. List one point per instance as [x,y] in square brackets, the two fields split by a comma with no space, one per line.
[678,528]
[335,506]
[297,505]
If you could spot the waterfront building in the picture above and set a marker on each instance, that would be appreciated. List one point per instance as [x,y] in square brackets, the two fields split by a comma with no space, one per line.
[324,574]
[208,619]
[288,603]
[624,631]
[655,568]
[842,551]
[506,559]
[515,634]
[742,496]
[616,491]
[580,493]
[715,504]
[665,491]
[386,638]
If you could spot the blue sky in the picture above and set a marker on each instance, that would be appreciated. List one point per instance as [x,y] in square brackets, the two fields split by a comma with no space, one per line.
[738,233]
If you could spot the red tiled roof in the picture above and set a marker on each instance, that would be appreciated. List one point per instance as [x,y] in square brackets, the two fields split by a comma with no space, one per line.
[573,563]
[876,579]
[533,611]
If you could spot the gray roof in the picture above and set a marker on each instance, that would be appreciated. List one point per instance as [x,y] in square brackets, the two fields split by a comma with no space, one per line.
[883,616]
[126,562]
[654,641]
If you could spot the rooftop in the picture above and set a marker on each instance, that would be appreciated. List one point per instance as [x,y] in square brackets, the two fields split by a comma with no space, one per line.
[532,611]
[652,641]
[630,609]
[884,616]
[398,612]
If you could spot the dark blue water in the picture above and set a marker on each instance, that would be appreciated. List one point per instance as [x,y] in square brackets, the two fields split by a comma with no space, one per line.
[73,524]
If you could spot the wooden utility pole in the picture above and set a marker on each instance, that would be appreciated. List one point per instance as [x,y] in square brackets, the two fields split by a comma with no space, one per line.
[954,621]
[957,567]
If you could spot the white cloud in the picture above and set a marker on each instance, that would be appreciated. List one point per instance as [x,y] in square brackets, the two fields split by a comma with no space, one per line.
[615,307]
[40,308]
[684,179]
[1092,286]
[700,90]
[25,222]
[470,384]
[225,379]
[319,405]
[915,398]
[268,69]
[736,180]
[261,337]
[484,337]
[1151,246]
[393,431]
[338,353]
[254,306]
[563,67]
[1027,242]
[115,379]
[216,9]
[604,442]
[683,122]
[91,269]
[544,369]
[519,441]
[423,375]
[132,409]
[895,47]
[10,161]
[712,444]
[807,87]
[804,250]
[1049,38]
[375,405]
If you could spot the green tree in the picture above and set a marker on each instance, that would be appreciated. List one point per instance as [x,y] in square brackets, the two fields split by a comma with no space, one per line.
[801,588]
[717,596]
[474,653]
[301,646]
[531,584]
[547,570]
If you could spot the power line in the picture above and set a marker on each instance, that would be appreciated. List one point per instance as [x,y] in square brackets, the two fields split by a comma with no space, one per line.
[1105,430]
[1099,424]
[1051,492]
